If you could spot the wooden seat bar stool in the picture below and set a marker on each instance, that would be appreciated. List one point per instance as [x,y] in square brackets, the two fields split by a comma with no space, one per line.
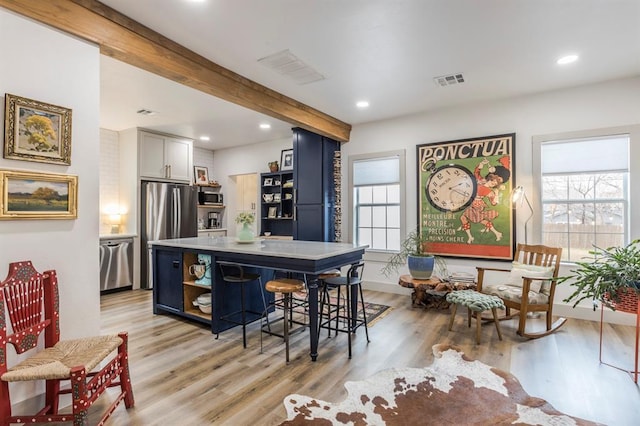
[285,286]
[234,273]
[31,300]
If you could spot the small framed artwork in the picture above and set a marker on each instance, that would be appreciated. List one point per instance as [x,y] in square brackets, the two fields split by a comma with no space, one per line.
[286,159]
[36,131]
[30,195]
[267,182]
[200,175]
[272,212]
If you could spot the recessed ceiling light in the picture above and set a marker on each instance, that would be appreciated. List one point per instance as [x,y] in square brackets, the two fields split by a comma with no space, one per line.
[205,138]
[362,104]
[265,126]
[567,59]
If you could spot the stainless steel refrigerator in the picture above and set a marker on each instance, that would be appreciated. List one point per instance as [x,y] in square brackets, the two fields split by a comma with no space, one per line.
[169,210]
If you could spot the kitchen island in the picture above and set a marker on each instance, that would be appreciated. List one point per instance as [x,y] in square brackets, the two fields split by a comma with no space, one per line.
[174,288]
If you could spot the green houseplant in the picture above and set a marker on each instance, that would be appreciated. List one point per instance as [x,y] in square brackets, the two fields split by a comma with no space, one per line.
[613,273]
[414,253]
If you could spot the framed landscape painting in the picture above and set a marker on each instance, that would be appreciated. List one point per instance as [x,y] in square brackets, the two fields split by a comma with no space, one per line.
[464,189]
[36,131]
[31,195]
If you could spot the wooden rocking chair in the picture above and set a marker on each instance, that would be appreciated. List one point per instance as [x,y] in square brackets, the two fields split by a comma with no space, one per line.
[529,286]
[31,300]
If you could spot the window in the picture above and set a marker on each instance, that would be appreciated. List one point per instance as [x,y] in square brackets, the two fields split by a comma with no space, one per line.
[585,194]
[377,200]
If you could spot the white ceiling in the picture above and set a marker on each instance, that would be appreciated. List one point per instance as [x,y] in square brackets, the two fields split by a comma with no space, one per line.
[384,51]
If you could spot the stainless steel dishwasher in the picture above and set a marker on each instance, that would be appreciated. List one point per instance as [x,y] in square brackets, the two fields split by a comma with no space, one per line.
[116,264]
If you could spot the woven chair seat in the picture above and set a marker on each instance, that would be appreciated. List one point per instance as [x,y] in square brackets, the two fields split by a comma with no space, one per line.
[56,362]
[475,301]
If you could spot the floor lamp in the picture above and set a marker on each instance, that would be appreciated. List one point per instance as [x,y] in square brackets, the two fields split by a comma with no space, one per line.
[518,198]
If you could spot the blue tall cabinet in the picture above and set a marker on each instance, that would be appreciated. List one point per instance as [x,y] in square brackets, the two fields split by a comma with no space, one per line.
[314,186]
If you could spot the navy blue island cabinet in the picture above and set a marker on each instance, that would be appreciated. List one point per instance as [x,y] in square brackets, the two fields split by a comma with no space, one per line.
[314,186]
[175,289]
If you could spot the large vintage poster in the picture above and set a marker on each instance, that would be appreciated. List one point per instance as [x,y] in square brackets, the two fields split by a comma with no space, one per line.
[463,196]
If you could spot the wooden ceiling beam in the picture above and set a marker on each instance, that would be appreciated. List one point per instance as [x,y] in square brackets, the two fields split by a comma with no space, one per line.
[131,42]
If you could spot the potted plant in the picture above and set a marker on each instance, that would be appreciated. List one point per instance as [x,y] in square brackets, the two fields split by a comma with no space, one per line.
[613,275]
[245,219]
[414,253]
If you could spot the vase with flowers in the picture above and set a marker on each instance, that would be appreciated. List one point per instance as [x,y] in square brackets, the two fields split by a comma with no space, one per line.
[246,219]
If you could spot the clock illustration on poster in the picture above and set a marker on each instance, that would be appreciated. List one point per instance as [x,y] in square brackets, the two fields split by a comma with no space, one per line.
[451,188]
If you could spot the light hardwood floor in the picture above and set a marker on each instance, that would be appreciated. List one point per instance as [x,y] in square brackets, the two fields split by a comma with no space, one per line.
[183,376]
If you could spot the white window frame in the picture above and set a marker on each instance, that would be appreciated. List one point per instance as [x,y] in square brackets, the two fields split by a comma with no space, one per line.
[632,230]
[371,254]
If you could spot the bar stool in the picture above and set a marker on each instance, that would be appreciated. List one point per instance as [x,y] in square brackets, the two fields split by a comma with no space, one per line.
[234,273]
[343,312]
[285,286]
[303,302]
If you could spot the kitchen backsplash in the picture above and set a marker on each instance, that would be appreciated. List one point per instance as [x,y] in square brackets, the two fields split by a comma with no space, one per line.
[204,158]
[110,171]
[109,176]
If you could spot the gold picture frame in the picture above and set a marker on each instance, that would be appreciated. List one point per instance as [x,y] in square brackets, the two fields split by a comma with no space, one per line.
[36,131]
[32,195]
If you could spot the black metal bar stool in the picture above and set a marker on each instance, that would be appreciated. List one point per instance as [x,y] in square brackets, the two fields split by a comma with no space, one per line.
[344,314]
[300,299]
[235,274]
[285,286]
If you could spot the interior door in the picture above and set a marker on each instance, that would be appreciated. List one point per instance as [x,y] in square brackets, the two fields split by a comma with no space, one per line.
[246,197]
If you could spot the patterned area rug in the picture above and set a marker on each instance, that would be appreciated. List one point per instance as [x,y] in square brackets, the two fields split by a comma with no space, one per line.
[454,390]
[374,312]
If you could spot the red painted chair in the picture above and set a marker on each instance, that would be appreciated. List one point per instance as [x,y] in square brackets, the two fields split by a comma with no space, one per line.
[31,301]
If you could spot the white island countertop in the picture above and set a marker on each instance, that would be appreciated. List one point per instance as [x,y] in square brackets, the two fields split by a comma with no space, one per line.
[309,250]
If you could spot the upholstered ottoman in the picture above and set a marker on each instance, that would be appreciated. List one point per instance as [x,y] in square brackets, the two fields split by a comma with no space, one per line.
[478,303]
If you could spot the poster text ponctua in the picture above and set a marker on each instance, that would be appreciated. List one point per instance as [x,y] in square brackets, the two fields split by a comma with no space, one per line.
[464,189]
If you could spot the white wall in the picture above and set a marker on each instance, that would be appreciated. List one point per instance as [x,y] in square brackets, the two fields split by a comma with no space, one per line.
[230,162]
[46,65]
[610,104]
[615,103]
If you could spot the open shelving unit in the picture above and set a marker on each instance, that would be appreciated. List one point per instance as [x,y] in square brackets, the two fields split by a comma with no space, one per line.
[205,209]
[277,205]
[190,289]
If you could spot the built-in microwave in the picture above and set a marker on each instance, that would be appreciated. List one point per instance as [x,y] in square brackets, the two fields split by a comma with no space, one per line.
[210,198]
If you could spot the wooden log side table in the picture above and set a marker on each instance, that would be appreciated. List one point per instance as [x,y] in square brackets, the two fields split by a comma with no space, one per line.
[432,293]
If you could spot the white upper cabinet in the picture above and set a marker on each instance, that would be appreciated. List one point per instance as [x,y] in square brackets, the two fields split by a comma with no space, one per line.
[165,157]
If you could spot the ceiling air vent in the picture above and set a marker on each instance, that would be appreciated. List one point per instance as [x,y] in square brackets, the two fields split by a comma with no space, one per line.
[289,65]
[448,80]
[146,112]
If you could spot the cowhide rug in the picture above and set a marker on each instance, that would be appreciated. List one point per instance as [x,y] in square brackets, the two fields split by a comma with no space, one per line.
[454,390]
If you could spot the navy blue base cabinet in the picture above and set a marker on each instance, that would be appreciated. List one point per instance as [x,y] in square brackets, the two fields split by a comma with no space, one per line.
[174,290]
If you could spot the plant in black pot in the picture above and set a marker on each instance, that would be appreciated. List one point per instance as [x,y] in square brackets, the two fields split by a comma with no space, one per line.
[613,275]
[414,253]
